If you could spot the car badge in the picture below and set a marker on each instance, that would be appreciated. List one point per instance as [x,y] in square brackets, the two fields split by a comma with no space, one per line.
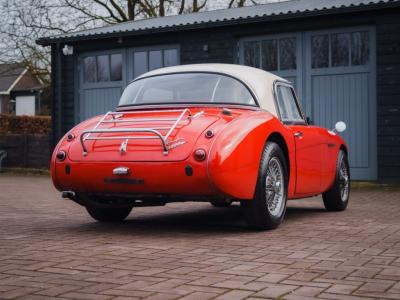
[122,148]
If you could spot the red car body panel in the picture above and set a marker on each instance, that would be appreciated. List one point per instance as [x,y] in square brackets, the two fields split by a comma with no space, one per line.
[230,169]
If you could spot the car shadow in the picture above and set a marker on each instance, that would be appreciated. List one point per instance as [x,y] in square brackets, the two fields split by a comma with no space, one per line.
[196,221]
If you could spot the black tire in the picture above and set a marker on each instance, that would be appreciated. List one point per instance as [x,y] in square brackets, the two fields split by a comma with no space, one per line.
[108,214]
[257,212]
[336,199]
[221,203]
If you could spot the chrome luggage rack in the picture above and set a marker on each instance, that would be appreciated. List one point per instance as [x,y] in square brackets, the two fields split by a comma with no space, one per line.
[114,117]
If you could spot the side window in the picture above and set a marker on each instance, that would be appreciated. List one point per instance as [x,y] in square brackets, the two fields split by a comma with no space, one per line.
[287,104]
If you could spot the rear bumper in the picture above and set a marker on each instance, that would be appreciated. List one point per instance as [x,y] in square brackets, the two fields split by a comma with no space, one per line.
[144,178]
[128,200]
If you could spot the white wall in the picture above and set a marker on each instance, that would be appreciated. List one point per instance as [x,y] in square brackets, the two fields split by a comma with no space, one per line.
[25,105]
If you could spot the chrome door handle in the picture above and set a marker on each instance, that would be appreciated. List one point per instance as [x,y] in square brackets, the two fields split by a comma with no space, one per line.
[298,134]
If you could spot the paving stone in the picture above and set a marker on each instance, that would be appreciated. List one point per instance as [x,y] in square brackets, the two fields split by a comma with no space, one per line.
[234,295]
[199,296]
[341,289]
[51,249]
[276,291]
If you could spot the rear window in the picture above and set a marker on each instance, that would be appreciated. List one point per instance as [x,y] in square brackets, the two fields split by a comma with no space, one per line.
[186,88]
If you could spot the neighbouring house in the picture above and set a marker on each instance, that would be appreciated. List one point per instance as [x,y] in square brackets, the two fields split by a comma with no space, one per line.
[20,91]
[343,56]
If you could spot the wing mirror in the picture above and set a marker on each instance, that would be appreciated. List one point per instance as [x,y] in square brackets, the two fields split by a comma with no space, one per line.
[340,126]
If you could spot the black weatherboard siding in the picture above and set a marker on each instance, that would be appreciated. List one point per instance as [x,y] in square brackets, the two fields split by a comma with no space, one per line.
[388,95]
[222,42]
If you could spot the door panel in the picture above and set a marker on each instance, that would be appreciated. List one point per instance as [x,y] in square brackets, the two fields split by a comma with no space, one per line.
[99,101]
[348,101]
[102,78]
[309,157]
[340,86]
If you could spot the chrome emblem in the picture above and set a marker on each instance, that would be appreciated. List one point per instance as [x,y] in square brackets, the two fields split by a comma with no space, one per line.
[122,148]
[176,143]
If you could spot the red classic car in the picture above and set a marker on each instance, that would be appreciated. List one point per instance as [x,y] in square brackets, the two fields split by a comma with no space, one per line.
[207,132]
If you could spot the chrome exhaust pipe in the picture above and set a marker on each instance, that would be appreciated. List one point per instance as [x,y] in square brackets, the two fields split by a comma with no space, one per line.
[68,195]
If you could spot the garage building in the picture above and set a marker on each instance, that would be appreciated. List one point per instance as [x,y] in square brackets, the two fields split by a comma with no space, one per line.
[343,57]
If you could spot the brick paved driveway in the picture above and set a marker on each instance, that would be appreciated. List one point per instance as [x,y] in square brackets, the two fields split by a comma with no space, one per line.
[50,248]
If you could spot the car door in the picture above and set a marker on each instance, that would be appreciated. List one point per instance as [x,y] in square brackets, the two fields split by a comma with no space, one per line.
[308,141]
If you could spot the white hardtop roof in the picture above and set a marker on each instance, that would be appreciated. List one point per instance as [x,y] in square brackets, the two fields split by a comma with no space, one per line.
[260,82]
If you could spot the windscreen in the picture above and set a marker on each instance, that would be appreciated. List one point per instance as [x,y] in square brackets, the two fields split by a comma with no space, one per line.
[186,88]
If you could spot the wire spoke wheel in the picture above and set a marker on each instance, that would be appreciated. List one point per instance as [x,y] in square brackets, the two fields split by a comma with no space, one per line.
[274,187]
[337,197]
[344,181]
[267,209]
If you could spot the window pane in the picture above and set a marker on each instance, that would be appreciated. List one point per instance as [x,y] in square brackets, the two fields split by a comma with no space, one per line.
[320,51]
[89,64]
[229,90]
[287,54]
[170,57]
[187,88]
[288,109]
[359,48]
[116,67]
[269,52]
[139,63]
[252,54]
[103,68]
[155,59]
[340,49]
[156,95]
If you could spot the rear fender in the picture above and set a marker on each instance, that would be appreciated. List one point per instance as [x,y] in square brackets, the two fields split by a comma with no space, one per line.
[64,144]
[236,152]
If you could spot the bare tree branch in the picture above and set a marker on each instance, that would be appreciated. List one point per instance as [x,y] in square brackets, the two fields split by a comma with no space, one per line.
[120,10]
[23,21]
[182,7]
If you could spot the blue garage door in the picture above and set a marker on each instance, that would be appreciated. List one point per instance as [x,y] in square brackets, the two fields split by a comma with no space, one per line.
[334,75]
[103,75]
[102,78]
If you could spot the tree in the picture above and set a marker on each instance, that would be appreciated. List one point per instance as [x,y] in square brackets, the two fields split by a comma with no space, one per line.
[23,21]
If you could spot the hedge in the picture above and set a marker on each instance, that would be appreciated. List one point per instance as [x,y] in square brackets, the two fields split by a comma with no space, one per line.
[10,124]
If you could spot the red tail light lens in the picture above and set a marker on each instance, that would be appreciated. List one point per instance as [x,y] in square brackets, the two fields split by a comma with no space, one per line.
[70,137]
[200,154]
[61,155]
